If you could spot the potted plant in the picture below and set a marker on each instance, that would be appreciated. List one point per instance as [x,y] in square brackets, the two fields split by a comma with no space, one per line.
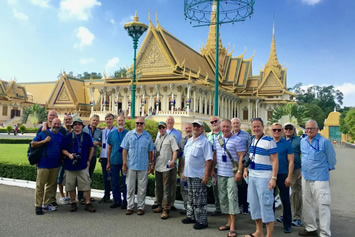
[22,129]
[9,129]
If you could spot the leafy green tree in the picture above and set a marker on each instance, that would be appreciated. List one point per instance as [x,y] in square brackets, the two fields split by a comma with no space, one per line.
[36,113]
[316,113]
[122,72]
[86,75]
[349,121]
[342,126]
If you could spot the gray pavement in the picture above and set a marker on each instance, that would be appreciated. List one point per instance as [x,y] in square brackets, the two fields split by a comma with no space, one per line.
[19,136]
[18,219]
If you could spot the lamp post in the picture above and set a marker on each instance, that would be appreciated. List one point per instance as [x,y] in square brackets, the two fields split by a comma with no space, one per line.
[135,29]
[231,11]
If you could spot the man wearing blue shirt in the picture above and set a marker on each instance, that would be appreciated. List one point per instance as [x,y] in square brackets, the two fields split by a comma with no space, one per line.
[296,186]
[48,166]
[198,161]
[242,186]
[137,158]
[114,164]
[318,158]
[78,149]
[284,175]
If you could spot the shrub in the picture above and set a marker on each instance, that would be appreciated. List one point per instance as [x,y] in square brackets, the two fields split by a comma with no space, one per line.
[15,141]
[22,128]
[9,129]
[249,131]
[207,128]
[300,133]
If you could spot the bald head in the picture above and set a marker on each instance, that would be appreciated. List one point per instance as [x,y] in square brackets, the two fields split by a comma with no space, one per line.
[56,124]
[170,121]
[52,114]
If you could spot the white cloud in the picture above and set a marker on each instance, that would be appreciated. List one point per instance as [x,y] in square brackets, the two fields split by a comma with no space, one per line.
[79,9]
[85,36]
[41,3]
[19,15]
[311,2]
[86,60]
[112,64]
[12,2]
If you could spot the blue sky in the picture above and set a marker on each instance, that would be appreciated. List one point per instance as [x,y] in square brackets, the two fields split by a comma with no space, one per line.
[39,38]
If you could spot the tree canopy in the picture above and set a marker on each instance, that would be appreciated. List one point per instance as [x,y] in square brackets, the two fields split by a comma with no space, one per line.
[122,72]
[35,114]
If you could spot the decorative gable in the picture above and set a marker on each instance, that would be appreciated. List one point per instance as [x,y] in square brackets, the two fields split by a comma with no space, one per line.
[152,59]
[61,95]
[271,82]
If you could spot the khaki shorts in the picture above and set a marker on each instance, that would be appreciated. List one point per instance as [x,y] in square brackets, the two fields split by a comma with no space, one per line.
[77,178]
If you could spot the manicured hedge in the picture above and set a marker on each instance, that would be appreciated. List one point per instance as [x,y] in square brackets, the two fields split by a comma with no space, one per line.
[15,141]
[28,130]
[28,172]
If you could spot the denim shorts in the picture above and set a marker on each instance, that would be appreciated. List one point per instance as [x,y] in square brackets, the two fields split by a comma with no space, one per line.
[261,199]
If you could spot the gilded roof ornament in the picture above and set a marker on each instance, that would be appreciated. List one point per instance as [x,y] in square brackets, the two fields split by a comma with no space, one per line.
[273,62]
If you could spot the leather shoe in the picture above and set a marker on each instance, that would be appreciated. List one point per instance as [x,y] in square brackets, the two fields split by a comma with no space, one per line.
[308,233]
[129,212]
[198,226]
[140,212]
[188,220]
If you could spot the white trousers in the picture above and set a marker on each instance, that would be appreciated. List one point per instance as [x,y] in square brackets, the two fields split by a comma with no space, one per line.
[316,194]
[142,176]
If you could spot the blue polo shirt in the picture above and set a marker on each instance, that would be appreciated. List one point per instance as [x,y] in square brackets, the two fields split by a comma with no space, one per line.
[138,147]
[115,140]
[284,148]
[296,145]
[52,149]
[318,157]
[85,150]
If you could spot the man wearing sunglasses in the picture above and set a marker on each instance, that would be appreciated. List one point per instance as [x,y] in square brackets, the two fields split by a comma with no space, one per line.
[198,161]
[165,170]
[216,131]
[318,159]
[284,175]
[296,184]
[137,156]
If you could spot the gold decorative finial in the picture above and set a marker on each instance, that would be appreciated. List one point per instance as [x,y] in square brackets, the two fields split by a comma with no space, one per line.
[135,18]
[156,19]
[149,19]
[273,61]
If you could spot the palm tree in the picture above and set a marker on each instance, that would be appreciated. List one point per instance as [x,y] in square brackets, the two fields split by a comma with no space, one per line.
[290,112]
[34,114]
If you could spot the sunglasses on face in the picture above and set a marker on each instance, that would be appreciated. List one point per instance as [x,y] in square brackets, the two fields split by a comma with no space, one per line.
[76,124]
[288,128]
[161,127]
[214,121]
[196,125]
[139,123]
[276,130]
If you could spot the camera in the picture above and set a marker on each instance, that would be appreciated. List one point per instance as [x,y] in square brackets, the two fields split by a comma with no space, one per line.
[76,160]
[246,161]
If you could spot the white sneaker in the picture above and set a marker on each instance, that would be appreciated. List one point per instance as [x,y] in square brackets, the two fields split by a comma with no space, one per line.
[65,200]
[49,207]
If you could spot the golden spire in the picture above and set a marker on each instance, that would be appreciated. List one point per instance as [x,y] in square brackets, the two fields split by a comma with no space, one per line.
[273,61]
[211,41]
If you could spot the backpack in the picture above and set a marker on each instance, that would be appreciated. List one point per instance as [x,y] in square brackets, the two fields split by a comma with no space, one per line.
[34,155]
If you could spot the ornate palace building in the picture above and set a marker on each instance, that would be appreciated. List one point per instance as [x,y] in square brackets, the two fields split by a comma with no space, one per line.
[174,79]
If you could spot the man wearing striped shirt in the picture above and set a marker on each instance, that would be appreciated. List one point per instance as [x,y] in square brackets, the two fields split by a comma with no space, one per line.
[228,147]
[262,179]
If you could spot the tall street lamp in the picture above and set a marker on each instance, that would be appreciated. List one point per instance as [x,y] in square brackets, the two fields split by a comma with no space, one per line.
[230,11]
[135,29]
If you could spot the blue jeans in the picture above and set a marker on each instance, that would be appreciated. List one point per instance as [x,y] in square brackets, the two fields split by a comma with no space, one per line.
[117,174]
[285,199]
[107,183]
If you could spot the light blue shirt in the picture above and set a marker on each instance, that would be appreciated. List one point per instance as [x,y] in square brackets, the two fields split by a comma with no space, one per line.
[115,139]
[197,152]
[245,137]
[318,157]
[138,148]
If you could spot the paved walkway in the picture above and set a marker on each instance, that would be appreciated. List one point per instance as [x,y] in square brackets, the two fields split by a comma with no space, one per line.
[18,218]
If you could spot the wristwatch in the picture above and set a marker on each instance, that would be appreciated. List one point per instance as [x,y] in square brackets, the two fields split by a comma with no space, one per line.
[274,177]
[239,171]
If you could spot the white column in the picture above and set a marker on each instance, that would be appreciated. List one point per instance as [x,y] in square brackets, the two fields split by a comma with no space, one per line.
[194,100]
[92,101]
[157,105]
[256,107]
[249,109]
[188,98]
[205,112]
[210,104]
[172,97]
[200,103]
[116,99]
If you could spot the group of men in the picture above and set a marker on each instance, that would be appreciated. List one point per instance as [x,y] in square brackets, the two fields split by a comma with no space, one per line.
[244,171]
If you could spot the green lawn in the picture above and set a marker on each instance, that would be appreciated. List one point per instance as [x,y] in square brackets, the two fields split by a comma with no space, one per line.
[17,154]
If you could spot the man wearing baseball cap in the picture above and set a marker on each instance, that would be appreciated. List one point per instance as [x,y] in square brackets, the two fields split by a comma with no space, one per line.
[165,169]
[198,160]
[296,183]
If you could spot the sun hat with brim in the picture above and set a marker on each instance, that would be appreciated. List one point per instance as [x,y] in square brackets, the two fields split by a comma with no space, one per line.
[161,124]
[77,120]
[288,124]
[199,122]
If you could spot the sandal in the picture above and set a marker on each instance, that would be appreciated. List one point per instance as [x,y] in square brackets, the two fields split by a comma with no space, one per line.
[223,228]
[233,232]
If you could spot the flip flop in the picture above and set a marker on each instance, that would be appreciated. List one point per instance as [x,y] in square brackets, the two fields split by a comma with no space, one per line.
[223,228]
[251,235]
[232,232]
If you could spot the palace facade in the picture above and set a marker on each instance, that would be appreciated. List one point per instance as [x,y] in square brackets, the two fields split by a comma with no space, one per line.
[174,79]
